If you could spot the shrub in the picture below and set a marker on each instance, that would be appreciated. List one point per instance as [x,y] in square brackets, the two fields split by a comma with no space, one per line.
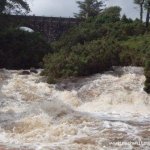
[93,47]
[109,15]
[131,57]
[21,50]
[82,60]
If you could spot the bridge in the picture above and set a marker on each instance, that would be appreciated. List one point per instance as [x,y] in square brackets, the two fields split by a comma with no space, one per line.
[51,27]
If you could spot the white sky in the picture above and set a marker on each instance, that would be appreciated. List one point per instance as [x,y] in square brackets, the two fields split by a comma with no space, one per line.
[66,8]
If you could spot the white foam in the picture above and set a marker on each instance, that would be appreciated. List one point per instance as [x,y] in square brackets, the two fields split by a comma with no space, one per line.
[108,106]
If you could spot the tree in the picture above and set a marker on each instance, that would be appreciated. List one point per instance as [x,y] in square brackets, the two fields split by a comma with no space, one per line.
[109,15]
[89,8]
[141,4]
[14,7]
[147,6]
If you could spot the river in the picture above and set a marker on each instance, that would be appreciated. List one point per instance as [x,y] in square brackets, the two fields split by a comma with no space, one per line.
[108,111]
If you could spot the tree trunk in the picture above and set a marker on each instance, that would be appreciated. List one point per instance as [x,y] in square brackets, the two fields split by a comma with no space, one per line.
[141,12]
[148,15]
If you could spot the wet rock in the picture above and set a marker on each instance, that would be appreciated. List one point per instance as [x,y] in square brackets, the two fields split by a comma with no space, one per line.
[25,72]
[33,70]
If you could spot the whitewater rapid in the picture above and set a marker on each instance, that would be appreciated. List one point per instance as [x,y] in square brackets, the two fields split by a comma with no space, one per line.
[108,111]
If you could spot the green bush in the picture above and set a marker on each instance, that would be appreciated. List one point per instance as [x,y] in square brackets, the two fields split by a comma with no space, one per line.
[92,47]
[96,29]
[131,57]
[109,15]
[82,60]
[21,50]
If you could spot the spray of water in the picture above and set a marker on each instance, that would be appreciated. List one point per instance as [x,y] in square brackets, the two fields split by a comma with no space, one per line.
[93,113]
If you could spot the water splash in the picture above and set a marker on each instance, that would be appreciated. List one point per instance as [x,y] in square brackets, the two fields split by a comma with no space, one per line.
[89,113]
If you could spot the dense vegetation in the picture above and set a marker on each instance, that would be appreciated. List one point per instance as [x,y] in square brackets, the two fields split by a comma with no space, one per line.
[96,45]
[82,59]
[21,50]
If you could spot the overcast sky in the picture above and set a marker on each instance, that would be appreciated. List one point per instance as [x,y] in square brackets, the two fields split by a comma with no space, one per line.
[66,8]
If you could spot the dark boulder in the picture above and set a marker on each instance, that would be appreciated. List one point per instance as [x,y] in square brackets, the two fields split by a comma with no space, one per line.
[33,70]
[25,72]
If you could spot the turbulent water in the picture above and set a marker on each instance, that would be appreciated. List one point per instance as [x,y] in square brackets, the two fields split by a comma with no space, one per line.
[107,111]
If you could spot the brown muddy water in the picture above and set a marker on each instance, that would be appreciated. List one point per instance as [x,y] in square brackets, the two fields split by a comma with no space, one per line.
[107,111]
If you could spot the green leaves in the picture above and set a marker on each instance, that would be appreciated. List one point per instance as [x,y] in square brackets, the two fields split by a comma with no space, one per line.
[89,8]
[109,15]
[98,44]
[92,57]
[21,50]
[14,7]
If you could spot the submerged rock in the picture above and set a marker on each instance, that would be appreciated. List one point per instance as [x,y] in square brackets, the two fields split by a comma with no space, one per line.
[33,70]
[25,72]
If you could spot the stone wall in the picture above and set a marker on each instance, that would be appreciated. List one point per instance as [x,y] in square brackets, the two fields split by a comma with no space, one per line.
[51,27]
